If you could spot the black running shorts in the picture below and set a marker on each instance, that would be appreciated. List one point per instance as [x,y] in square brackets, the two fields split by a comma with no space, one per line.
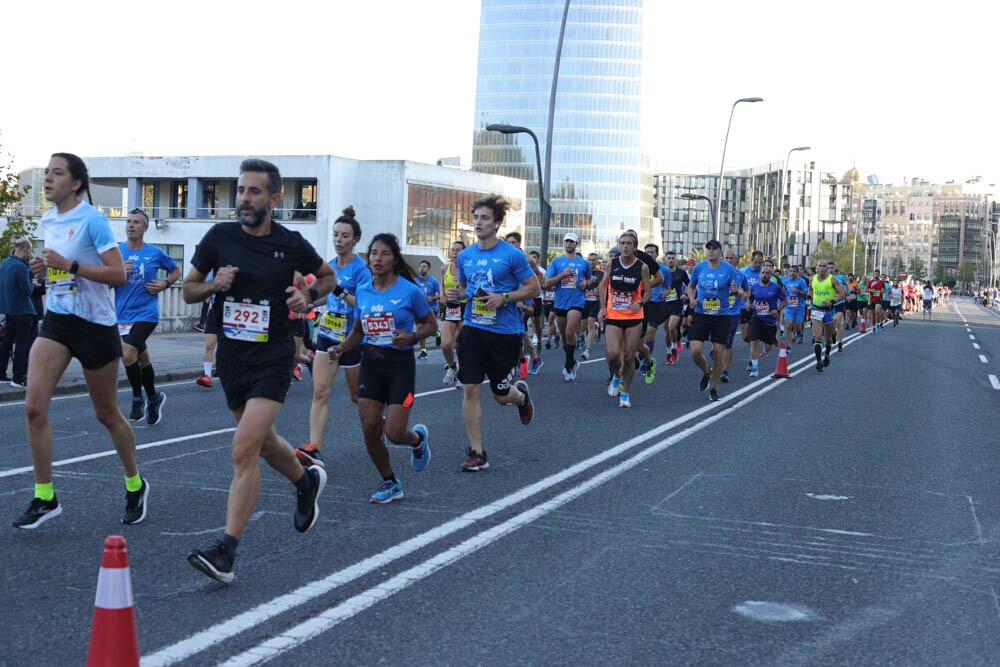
[95,345]
[484,354]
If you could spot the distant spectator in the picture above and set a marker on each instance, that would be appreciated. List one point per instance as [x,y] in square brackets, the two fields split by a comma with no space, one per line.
[15,303]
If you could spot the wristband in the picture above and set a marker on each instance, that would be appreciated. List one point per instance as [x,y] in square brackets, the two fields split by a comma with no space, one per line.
[338,290]
[506,298]
[313,294]
[74,267]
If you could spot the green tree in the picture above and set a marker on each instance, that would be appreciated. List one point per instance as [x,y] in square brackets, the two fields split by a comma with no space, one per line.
[11,194]
[918,269]
[967,273]
[939,274]
[896,266]
[823,250]
[850,255]
[698,255]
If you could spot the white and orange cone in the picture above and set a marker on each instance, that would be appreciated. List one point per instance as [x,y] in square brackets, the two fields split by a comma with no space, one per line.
[863,328]
[113,638]
[782,370]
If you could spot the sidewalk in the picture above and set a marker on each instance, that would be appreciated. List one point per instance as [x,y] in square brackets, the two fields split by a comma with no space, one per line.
[175,356]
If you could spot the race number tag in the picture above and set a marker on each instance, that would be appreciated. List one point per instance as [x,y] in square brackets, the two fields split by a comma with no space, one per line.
[378,328]
[333,326]
[453,313]
[671,295]
[61,282]
[710,306]
[549,295]
[483,315]
[793,301]
[125,329]
[817,315]
[569,282]
[621,300]
[762,307]
[246,321]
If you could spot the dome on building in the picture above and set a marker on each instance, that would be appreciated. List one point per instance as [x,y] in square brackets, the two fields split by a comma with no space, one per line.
[852,176]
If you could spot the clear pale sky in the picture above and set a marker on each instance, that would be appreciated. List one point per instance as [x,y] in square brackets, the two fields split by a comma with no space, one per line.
[901,89]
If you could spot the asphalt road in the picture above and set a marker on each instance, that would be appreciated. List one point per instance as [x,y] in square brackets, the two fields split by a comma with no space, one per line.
[847,517]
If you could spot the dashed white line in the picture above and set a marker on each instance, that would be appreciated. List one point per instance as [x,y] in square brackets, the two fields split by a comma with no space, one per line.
[975,346]
[995,382]
[971,337]
[982,358]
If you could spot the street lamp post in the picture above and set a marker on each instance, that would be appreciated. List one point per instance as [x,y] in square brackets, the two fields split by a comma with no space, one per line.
[711,208]
[781,234]
[722,166]
[543,205]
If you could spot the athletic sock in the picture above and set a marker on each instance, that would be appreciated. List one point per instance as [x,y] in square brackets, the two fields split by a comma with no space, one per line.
[134,483]
[569,351]
[651,345]
[229,543]
[304,484]
[208,368]
[828,349]
[134,375]
[149,382]
[818,351]
[754,364]
[44,491]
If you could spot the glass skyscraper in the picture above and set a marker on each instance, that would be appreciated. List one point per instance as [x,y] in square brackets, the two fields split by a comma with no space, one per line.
[601,182]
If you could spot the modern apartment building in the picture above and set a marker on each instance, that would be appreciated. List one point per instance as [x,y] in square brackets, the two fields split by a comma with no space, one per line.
[600,181]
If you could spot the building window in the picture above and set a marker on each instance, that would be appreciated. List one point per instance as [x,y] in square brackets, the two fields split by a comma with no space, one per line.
[436,216]
[305,200]
[209,200]
[176,252]
[179,198]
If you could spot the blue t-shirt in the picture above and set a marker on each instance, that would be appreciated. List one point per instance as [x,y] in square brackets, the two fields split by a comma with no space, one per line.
[338,320]
[842,279]
[658,293]
[502,268]
[132,302]
[712,287]
[395,309]
[570,291]
[430,286]
[766,298]
[81,234]
[753,278]
[796,301]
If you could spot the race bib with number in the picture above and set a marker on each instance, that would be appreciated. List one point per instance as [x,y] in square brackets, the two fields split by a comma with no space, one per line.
[817,315]
[453,313]
[762,307]
[61,282]
[125,329]
[246,321]
[483,315]
[333,326]
[671,295]
[793,301]
[710,306]
[568,282]
[549,295]
[621,300]
[378,328]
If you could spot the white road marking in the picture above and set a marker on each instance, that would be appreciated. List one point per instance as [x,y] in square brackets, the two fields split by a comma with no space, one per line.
[83,392]
[975,346]
[995,382]
[982,358]
[260,614]
[971,337]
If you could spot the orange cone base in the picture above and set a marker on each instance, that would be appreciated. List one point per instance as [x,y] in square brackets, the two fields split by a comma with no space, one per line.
[113,639]
[781,372]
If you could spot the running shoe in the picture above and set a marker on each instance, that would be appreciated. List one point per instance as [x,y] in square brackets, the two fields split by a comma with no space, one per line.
[135,504]
[724,378]
[536,365]
[19,383]
[673,354]
[572,372]
[754,373]
[449,375]
[420,455]
[38,512]
[581,342]
[476,461]
[387,491]
[623,400]
[138,412]
[703,385]
[826,360]
[307,502]
[526,411]
[548,343]
[819,366]
[200,328]
[615,387]
[422,355]
[749,365]
[651,371]
[522,368]
[215,563]
[154,409]
[308,455]
[204,381]
[297,372]
[643,367]
[840,347]
[713,395]
[585,355]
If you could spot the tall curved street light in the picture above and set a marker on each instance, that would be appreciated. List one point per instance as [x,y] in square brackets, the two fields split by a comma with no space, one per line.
[782,234]
[543,205]
[722,167]
[711,209]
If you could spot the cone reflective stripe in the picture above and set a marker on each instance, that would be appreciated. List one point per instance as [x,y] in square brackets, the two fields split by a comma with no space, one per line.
[113,638]
[782,370]
[863,329]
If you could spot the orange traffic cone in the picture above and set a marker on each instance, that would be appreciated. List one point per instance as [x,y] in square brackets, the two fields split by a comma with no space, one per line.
[863,329]
[782,370]
[113,638]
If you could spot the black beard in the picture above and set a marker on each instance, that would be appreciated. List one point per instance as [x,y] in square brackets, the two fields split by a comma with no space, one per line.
[256,219]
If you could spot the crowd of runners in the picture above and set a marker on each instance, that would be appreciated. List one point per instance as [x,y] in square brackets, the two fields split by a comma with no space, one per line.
[274,307]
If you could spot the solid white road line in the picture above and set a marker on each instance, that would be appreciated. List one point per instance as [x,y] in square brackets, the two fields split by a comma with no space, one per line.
[260,614]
